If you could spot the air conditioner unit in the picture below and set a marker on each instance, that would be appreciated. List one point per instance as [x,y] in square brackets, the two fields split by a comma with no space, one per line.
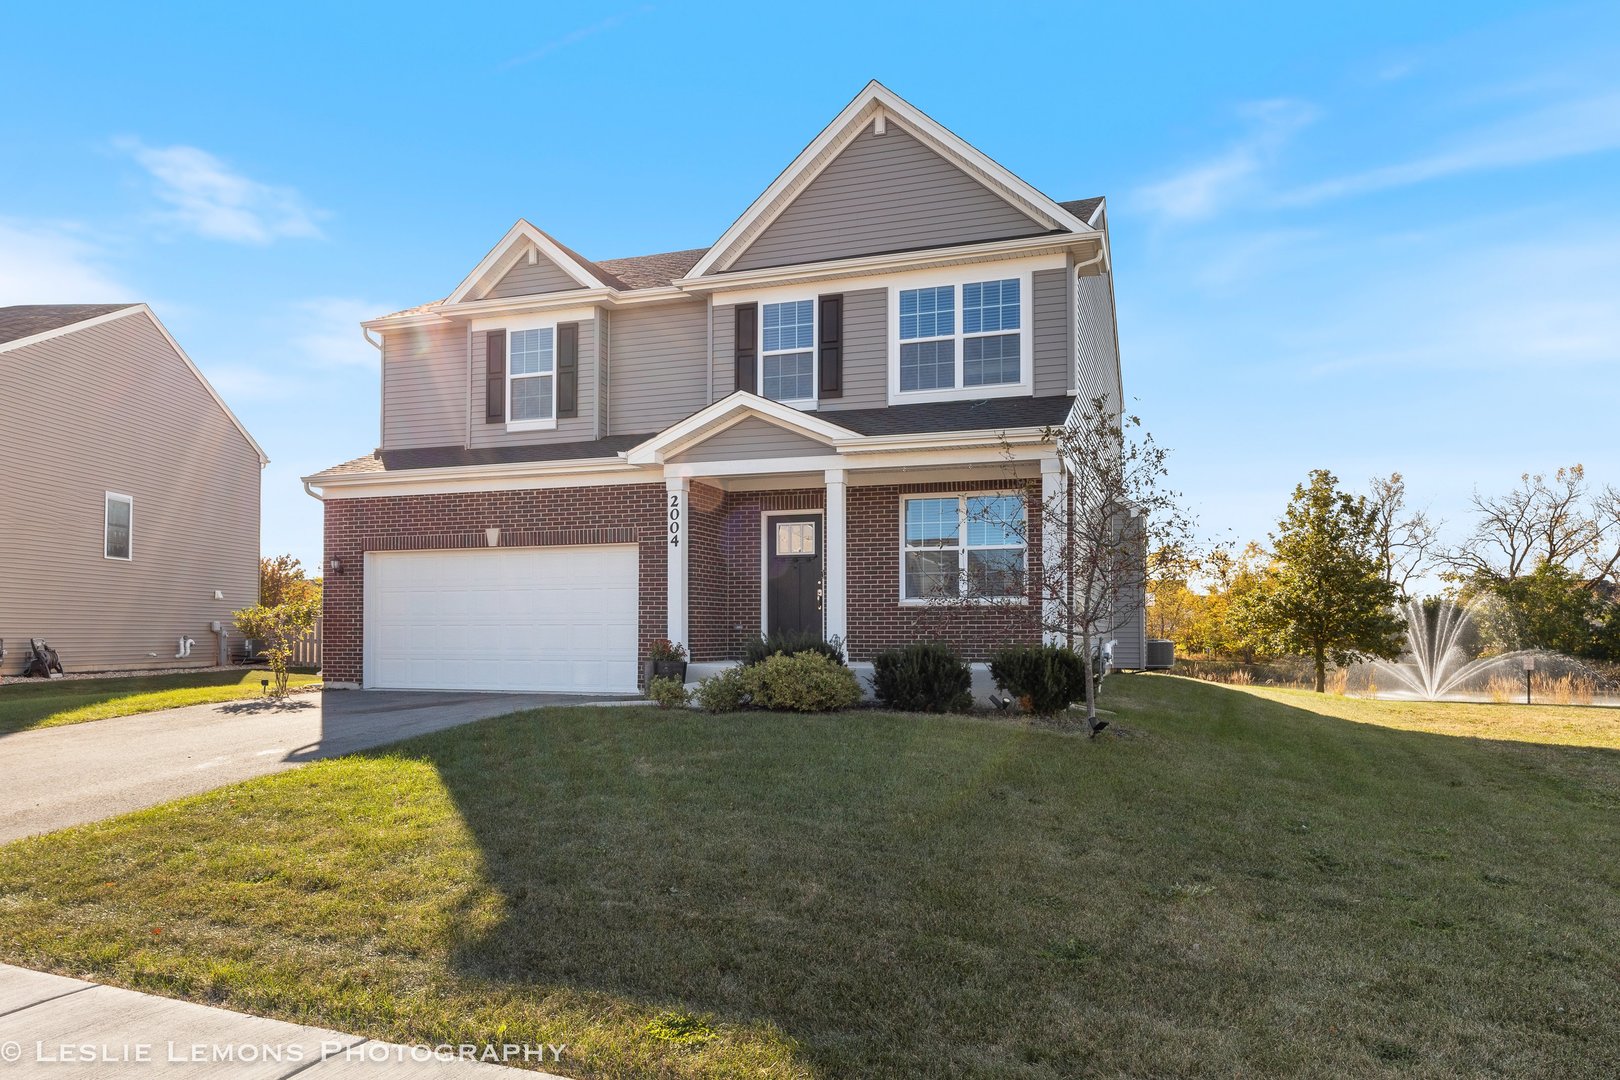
[1161,654]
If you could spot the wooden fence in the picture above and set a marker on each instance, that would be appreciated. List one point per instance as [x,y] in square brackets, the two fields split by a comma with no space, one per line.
[307,653]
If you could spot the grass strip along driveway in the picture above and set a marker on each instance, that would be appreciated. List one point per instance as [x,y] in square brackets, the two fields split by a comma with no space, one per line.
[52,703]
[1228,883]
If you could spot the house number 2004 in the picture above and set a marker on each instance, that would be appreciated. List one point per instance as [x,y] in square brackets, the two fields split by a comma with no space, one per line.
[675,521]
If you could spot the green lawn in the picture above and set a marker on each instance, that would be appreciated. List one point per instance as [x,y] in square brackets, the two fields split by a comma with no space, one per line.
[1228,883]
[45,703]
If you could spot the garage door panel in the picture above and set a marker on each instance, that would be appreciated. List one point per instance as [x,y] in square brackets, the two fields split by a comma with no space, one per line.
[559,619]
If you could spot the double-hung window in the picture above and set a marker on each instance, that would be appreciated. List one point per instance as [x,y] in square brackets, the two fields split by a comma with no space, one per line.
[961,337]
[963,545]
[531,372]
[118,527]
[787,351]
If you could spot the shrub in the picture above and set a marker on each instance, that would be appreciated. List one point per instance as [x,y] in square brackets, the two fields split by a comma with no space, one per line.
[1045,679]
[925,676]
[668,693]
[725,692]
[804,682]
[666,651]
[791,644]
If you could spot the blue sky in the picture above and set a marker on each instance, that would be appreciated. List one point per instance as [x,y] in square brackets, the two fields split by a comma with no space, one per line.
[1371,239]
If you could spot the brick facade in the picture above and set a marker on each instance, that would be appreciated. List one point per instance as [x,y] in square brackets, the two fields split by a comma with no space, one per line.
[724,566]
[612,514]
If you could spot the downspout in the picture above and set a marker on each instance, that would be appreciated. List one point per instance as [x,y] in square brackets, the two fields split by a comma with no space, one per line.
[469,382]
[709,349]
[382,382]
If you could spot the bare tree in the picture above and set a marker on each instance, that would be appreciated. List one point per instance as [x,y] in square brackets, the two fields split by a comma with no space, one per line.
[1542,520]
[1407,541]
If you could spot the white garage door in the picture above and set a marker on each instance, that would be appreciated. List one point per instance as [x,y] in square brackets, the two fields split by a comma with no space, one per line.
[557,619]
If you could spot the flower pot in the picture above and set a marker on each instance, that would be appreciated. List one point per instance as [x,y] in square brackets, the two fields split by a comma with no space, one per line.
[665,669]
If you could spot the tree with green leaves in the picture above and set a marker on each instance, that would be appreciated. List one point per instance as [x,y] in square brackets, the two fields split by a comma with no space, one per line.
[1326,593]
[280,628]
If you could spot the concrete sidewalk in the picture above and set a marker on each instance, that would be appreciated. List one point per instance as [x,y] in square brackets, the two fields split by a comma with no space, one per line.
[61,776]
[62,1028]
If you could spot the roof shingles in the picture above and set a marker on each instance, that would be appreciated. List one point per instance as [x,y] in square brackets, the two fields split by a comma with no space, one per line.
[26,320]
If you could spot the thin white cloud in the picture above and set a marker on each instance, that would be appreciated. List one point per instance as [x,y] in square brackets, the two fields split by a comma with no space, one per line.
[207,197]
[327,332]
[1567,129]
[49,264]
[574,37]
[1213,185]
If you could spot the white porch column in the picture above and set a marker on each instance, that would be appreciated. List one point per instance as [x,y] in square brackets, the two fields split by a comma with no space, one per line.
[1052,526]
[836,547]
[677,520]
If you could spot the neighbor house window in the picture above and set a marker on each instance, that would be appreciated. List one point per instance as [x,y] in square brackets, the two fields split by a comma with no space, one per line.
[963,545]
[531,374]
[118,526]
[984,347]
[787,351]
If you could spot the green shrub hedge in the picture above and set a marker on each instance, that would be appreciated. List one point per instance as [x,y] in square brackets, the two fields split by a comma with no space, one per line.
[790,644]
[1045,679]
[804,682]
[925,676]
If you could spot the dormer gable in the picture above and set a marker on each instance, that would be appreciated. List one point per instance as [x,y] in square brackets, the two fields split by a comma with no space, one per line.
[883,177]
[529,262]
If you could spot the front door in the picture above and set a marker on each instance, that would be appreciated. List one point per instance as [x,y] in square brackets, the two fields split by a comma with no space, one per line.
[793,574]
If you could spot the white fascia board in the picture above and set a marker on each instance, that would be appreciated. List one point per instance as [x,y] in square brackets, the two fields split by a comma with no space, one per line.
[884,444]
[873,99]
[741,404]
[523,474]
[46,335]
[522,231]
[873,265]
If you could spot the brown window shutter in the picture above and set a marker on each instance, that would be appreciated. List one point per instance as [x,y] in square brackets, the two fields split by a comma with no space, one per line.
[567,369]
[747,347]
[495,376]
[830,333]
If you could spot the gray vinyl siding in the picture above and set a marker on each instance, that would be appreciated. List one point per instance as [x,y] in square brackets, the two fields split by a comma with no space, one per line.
[754,438]
[1096,342]
[658,370]
[1129,623]
[425,388]
[113,408]
[525,280]
[1050,351]
[725,353]
[604,378]
[884,193]
[580,428]
[866,351]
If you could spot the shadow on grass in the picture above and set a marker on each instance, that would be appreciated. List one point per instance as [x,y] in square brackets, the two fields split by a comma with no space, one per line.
[927,896]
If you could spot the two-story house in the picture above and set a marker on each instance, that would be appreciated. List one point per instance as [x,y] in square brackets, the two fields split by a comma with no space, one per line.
[806,426]
[129,516]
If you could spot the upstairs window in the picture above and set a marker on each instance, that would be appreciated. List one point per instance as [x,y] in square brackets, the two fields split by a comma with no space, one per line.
[787,351]
[531,374]
[947,347]
[118,527]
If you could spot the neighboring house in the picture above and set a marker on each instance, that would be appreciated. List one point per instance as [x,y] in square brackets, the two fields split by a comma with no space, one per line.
[787,430]
[129,516]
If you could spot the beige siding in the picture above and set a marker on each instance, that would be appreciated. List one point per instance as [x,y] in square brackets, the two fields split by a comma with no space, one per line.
[424,389]
[581,428]
[884,193]
[658,371]
[525,280]
[113,408]
[753,438]
[866,351]
[1096,344]
[725,356]
[1050,349]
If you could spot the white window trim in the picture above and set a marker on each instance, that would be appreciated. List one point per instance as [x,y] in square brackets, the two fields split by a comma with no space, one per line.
[959,277]
[538,321]
[803,404]
[106,521]
[962,549]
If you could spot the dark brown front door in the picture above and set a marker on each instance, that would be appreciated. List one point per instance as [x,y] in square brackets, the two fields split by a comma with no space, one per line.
[793,574]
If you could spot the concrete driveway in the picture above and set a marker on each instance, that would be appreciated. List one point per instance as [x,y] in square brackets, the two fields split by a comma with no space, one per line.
[65,776]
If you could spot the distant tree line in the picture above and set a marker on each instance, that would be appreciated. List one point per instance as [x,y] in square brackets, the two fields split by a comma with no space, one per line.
[1540,566]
